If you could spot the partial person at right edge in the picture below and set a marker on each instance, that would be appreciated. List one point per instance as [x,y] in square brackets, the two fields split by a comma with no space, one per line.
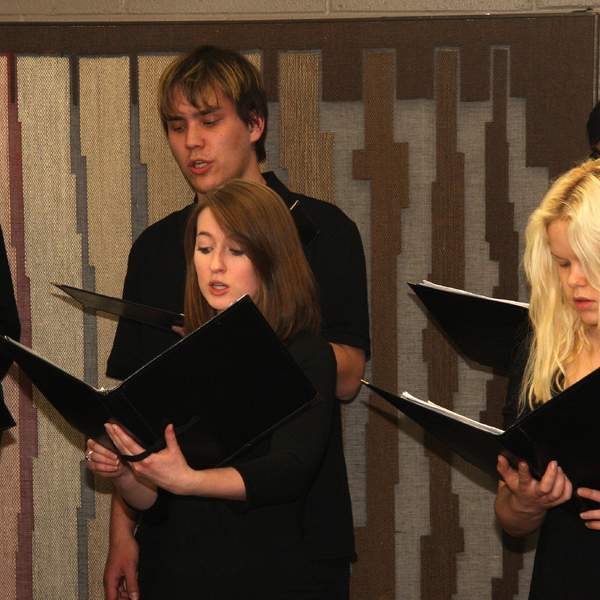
[9,320]
[214,112]
[562,264]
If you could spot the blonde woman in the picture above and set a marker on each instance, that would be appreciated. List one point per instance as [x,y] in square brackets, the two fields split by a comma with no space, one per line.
[562,265]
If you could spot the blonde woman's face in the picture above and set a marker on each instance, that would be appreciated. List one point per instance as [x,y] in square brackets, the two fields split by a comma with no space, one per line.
[576,288]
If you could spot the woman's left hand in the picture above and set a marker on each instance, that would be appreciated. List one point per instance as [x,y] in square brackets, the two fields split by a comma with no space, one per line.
[592,517]
[167,469]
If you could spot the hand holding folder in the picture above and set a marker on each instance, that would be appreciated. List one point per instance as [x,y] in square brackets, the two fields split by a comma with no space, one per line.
[223,387]
[565,429]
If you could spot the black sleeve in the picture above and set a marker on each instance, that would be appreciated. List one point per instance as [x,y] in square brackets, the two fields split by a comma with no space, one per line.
[155,277]
[296,448]
[9,316]
[337,260]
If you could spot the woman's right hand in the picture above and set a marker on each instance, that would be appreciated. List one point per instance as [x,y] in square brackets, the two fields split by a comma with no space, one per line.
[101,461]
[523,501]
[138,493]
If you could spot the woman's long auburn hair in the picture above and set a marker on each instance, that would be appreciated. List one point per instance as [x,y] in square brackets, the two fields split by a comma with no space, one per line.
[559,334]
[257,220]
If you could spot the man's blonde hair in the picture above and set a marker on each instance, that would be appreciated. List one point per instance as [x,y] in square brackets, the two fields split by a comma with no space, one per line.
[205,71]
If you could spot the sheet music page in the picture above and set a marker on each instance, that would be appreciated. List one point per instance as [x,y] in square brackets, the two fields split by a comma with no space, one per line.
[440,409]
[444,288]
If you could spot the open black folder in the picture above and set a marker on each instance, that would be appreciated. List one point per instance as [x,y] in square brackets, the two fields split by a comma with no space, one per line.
[565,429]
[487,330]
[6,419]
[223,387]
[124,308]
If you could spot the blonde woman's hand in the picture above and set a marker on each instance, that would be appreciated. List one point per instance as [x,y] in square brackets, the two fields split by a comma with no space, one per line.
[592,517]
[523,502]
[531,495]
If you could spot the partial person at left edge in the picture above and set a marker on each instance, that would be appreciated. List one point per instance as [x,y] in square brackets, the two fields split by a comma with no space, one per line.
[9,325]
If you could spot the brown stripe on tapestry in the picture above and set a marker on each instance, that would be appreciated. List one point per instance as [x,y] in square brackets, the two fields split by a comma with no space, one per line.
[305,152]
[503,243]
[50,204]
[27,417]
[385,163]
[167,190]
[439,549]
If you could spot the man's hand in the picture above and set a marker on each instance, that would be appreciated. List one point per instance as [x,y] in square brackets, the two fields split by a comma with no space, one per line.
[120,572]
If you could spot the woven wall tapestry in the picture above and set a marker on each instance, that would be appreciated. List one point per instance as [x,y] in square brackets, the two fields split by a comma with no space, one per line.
[438,137]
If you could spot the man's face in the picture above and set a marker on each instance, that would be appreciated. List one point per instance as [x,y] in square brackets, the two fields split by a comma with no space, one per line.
[211,144]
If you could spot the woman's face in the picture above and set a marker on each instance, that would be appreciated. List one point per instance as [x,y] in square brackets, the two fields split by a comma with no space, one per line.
[224,272]
[576,288]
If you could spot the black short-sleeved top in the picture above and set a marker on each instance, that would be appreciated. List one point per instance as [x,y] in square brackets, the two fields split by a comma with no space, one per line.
[9,325]
[567,559]
[254,549]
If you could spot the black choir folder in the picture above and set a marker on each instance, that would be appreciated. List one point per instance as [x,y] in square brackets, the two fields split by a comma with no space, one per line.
[487,330]
[124,308]
[6,419]
[565,429]
[223,387]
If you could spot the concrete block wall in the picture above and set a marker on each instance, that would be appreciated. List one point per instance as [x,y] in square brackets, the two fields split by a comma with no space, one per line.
[213,10]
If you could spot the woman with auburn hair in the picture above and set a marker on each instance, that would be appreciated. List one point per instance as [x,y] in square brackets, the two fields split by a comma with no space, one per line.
[236,532]
[562,265]
[260,223]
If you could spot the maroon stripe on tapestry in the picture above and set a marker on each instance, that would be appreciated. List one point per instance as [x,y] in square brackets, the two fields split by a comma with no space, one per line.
[27,429]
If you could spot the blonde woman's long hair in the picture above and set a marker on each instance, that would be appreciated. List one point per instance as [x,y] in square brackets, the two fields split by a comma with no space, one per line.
[559,335]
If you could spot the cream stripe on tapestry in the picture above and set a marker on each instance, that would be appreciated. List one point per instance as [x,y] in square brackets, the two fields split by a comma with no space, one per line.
[256,60]
[104,107]
[9,453]
[306,152]
[105,143]
[167,189]
[54,251]
[353,196]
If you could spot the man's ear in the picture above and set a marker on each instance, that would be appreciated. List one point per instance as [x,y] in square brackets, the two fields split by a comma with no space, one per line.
[256,126]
